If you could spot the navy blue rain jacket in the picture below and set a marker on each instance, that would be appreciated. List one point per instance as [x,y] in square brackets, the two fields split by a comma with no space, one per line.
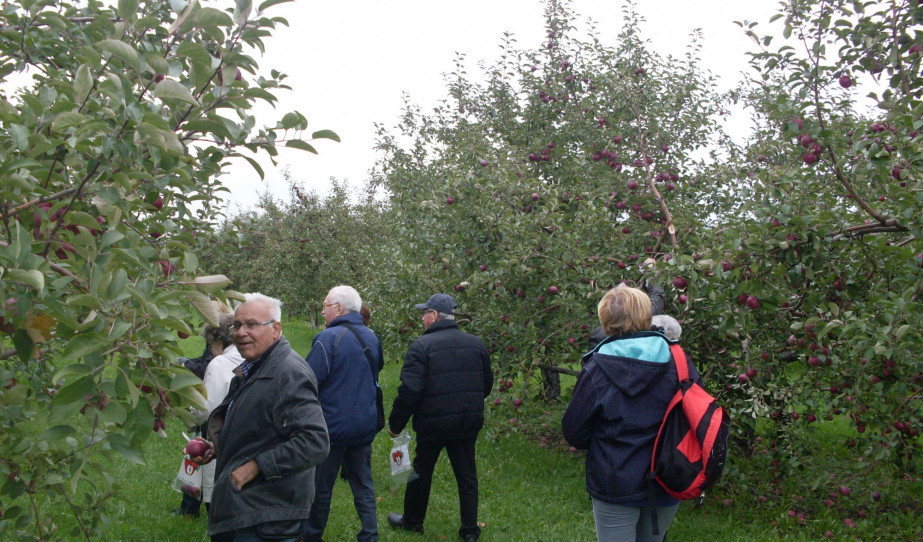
[615,413]
[345,381]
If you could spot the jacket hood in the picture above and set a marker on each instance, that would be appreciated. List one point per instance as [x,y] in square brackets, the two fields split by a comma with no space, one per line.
[632,377]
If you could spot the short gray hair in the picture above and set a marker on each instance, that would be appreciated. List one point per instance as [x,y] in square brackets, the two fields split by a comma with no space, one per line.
[275,306]
[444,316]
[671,328]
[346,296]
[222,333]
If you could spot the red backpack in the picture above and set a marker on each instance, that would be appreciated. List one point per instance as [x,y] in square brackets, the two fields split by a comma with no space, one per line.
[691,444]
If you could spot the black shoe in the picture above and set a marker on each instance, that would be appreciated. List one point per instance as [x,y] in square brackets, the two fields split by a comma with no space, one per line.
[397,520]
[471,538]
[185,513]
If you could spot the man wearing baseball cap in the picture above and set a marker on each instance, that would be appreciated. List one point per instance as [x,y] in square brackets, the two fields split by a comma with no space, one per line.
[444,381]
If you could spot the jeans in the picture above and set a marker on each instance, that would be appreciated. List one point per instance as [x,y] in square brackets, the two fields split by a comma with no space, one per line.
[358,463]
[616,523]
[461,456]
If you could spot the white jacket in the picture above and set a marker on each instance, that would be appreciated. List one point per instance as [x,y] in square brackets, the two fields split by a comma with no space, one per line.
[217,380]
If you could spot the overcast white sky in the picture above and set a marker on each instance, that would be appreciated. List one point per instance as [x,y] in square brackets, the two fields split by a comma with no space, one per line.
[349,62]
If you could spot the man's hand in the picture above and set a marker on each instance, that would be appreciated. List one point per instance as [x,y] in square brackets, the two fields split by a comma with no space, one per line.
[194,449]
[244,474]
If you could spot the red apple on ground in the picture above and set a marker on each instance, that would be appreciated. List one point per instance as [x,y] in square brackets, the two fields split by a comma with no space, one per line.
[552,290]
[450,200]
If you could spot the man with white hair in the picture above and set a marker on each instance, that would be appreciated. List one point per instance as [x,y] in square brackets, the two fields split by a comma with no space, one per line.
[346,358]
[267,435]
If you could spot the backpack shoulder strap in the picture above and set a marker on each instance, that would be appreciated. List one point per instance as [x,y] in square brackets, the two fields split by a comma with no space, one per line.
[365,349]
[679,359]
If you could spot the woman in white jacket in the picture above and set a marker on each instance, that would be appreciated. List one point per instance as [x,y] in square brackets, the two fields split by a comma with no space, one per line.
[217,380]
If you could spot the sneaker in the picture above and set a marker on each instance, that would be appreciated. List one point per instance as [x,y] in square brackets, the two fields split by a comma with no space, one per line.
[397,520]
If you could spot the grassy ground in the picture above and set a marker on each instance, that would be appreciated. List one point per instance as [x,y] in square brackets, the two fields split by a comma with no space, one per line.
[532,489]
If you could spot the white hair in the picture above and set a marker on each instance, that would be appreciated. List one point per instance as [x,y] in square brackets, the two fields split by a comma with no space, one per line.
[444,316]
[671,328]
[346,296]
[275,306]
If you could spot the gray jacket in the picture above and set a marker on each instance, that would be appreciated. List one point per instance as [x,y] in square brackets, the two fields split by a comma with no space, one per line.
[275,418]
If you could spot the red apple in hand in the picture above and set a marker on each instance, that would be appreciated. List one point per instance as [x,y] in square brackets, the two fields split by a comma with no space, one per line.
[196,448]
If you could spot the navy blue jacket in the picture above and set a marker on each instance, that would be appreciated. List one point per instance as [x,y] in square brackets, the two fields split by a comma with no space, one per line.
[345,382]
[615,413]
[444,381]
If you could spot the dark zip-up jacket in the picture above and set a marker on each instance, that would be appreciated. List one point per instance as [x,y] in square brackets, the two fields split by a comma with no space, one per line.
[345,379]
[444,381]
[273,417]
[615,413]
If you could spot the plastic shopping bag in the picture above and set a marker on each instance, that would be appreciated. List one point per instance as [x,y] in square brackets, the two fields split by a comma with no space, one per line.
[401,465]
[189,478]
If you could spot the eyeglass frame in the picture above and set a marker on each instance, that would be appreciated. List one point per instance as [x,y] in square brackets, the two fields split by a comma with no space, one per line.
[249,325]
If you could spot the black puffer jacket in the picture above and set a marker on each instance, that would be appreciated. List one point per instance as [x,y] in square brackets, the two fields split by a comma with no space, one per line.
[273,417]
[444,381]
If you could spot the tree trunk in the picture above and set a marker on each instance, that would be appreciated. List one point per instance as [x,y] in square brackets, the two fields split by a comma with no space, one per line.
[552,381]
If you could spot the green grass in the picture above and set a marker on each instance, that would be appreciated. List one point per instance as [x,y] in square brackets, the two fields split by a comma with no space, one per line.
[530,492]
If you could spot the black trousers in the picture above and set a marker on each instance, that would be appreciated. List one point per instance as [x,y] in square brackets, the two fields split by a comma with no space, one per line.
[461,456]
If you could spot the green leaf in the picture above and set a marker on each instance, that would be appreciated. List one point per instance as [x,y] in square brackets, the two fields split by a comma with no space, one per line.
[78,370]
[122,445]
[168,88]
[184,380]
[210,284]
[128,9]
[269,3]
[57,432]
[20,136]
[255,165]
[300,144]
[212,17]
[293,121]
[901,331]
[82,83]
[110,237]
[121,50]
[83,344]
[326,134]
[194,52]
[68,119]
[204,306]
[157,64]
[32,277]
[117,284]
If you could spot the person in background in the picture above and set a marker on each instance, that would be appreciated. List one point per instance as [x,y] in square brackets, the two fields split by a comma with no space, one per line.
[217,378]
[619,401]
[346,358]
[654,291]
[267,435]
[444,381]
[668,326]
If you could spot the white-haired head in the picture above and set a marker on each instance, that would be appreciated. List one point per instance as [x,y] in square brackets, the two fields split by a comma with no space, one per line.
[671,328]
[275,306]
[346,296]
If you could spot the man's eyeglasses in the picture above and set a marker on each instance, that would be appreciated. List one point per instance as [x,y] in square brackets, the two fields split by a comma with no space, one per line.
[250,325]
[427,311]
[330,304]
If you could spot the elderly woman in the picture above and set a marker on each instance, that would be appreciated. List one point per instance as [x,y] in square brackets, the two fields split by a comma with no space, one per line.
[617,407]
[218,376]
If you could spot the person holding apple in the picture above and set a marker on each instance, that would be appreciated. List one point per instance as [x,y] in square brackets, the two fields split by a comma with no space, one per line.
[267,435]
[617,407]
[444,381]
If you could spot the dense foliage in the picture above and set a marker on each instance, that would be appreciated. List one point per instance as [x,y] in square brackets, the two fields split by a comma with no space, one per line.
[793,259]
[116,123]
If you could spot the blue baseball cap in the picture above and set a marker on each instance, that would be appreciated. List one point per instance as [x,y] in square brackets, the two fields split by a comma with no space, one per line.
[443,303]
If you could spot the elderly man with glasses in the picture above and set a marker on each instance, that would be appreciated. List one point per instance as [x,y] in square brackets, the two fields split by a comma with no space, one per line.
[268,434]
[444,381]
[346,358]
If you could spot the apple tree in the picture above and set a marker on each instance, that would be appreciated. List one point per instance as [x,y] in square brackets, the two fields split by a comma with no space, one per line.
[807,290]
[530,194]
[117,120]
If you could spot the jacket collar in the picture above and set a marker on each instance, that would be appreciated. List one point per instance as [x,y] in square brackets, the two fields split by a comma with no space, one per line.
[353,318]
[440,325]
[267,364]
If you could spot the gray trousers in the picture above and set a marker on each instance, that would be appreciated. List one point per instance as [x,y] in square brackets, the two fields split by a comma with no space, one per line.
[616,523]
